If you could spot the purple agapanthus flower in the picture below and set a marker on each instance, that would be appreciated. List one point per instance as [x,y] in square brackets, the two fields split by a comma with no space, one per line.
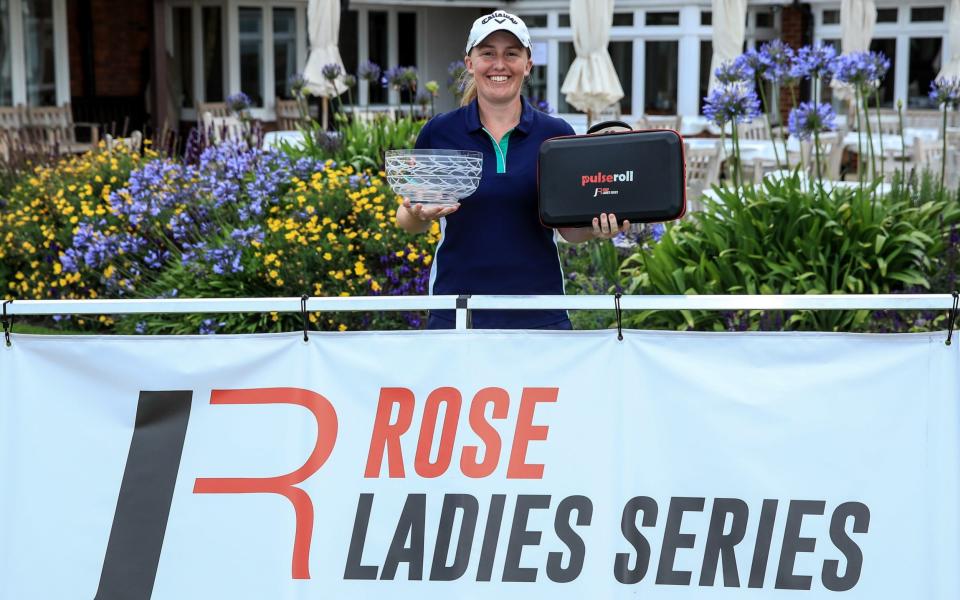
[945,90]
[238,102]
[732,103]
[733,71]
[811,118]
[331,71]
[297,84]
[861,68]
[815,62]
[751,62]
[777,59]
[369,71]
[541,105]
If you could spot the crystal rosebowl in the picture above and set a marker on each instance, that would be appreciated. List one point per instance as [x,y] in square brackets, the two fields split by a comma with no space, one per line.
[437,177]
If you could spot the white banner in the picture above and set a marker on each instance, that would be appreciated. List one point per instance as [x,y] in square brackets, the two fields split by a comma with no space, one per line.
[479,464]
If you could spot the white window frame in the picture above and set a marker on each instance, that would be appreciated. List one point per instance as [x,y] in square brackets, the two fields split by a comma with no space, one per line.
[18,59]
[902,31]
[230,13]
[393,46]
[689,33]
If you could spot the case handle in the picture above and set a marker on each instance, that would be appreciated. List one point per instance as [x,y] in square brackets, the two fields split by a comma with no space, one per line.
[604,124]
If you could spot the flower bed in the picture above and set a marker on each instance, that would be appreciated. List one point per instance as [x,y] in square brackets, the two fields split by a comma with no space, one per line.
[239,222]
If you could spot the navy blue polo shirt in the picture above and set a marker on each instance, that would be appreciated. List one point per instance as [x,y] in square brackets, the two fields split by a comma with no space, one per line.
[494,243]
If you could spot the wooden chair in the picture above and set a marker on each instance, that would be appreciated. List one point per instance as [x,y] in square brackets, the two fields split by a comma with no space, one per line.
[132,143]
[56,129]
[288,114]
[703,172]
[217,109]
[221,129]
[831,153]
[658,122]
[754,130]
[13,120]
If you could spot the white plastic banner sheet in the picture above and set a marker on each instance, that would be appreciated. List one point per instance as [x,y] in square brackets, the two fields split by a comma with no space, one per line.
[527,465]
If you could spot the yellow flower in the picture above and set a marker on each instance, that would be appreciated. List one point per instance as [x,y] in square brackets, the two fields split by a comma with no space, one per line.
[359,268]
[327,256]
[342,327]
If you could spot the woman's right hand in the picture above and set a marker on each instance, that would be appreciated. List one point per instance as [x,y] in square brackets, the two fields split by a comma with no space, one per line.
[428,212]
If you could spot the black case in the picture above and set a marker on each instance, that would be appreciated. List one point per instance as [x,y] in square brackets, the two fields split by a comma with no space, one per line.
[637,175]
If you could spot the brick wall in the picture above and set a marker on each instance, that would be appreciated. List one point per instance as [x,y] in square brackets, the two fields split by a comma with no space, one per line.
[120,42]
[795,29]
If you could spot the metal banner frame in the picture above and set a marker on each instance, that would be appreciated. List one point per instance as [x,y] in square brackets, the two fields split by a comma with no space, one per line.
[464,304]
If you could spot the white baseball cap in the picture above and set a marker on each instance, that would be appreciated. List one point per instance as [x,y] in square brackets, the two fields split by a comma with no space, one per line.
[497,21]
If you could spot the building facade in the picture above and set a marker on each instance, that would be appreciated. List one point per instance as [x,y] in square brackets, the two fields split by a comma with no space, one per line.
[157,59]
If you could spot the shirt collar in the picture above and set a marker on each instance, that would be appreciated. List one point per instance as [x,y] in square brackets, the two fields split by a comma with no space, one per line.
[524,126]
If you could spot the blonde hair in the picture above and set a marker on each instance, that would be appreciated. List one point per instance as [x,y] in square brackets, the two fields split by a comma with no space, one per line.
[469,87]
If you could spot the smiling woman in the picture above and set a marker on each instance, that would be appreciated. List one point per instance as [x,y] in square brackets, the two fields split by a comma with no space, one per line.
[493,241]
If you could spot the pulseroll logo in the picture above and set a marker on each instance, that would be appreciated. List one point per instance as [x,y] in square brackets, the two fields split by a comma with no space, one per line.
[601,177]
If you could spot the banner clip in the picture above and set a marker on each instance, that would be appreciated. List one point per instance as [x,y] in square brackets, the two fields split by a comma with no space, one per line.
[616,304]
[952,317]
[303,315]
[464,319]
[7,323]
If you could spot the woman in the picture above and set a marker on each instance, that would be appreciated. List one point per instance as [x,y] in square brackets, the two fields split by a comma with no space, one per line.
[493,242]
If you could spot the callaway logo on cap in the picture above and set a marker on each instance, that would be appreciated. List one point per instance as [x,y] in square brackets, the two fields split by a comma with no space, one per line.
[497,21]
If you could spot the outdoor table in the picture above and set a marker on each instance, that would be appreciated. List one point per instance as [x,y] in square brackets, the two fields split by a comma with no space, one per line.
[750,150]
[273,139]
[694,125]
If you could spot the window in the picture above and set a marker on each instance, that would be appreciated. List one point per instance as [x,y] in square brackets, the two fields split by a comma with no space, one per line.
[6,79]
[284,50]
[621,53]
[566,56]
[347,41]
[660,77]
[212,54]
[407,47]
[886,15]
[706,17]
[534,20]
[765,18]
[926,14]
[889,49]
[924,66]
[377,51]
[39,52]
[623,19]
[564,20]
[706,56]
[251,54]
[536,84]
[183,56]
[663,18]
[831,17]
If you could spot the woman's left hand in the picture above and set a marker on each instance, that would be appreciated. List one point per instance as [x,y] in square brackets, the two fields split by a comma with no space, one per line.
[605,226]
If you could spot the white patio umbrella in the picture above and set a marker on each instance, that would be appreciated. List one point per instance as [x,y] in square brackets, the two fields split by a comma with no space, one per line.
[591,84]
[323,26]
[729,21]
[857,19]
[951,68]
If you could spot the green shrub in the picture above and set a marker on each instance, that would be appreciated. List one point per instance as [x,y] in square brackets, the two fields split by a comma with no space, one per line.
[780,239]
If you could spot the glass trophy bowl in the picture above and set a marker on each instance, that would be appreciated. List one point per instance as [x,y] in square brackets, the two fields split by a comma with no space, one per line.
[435,177]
